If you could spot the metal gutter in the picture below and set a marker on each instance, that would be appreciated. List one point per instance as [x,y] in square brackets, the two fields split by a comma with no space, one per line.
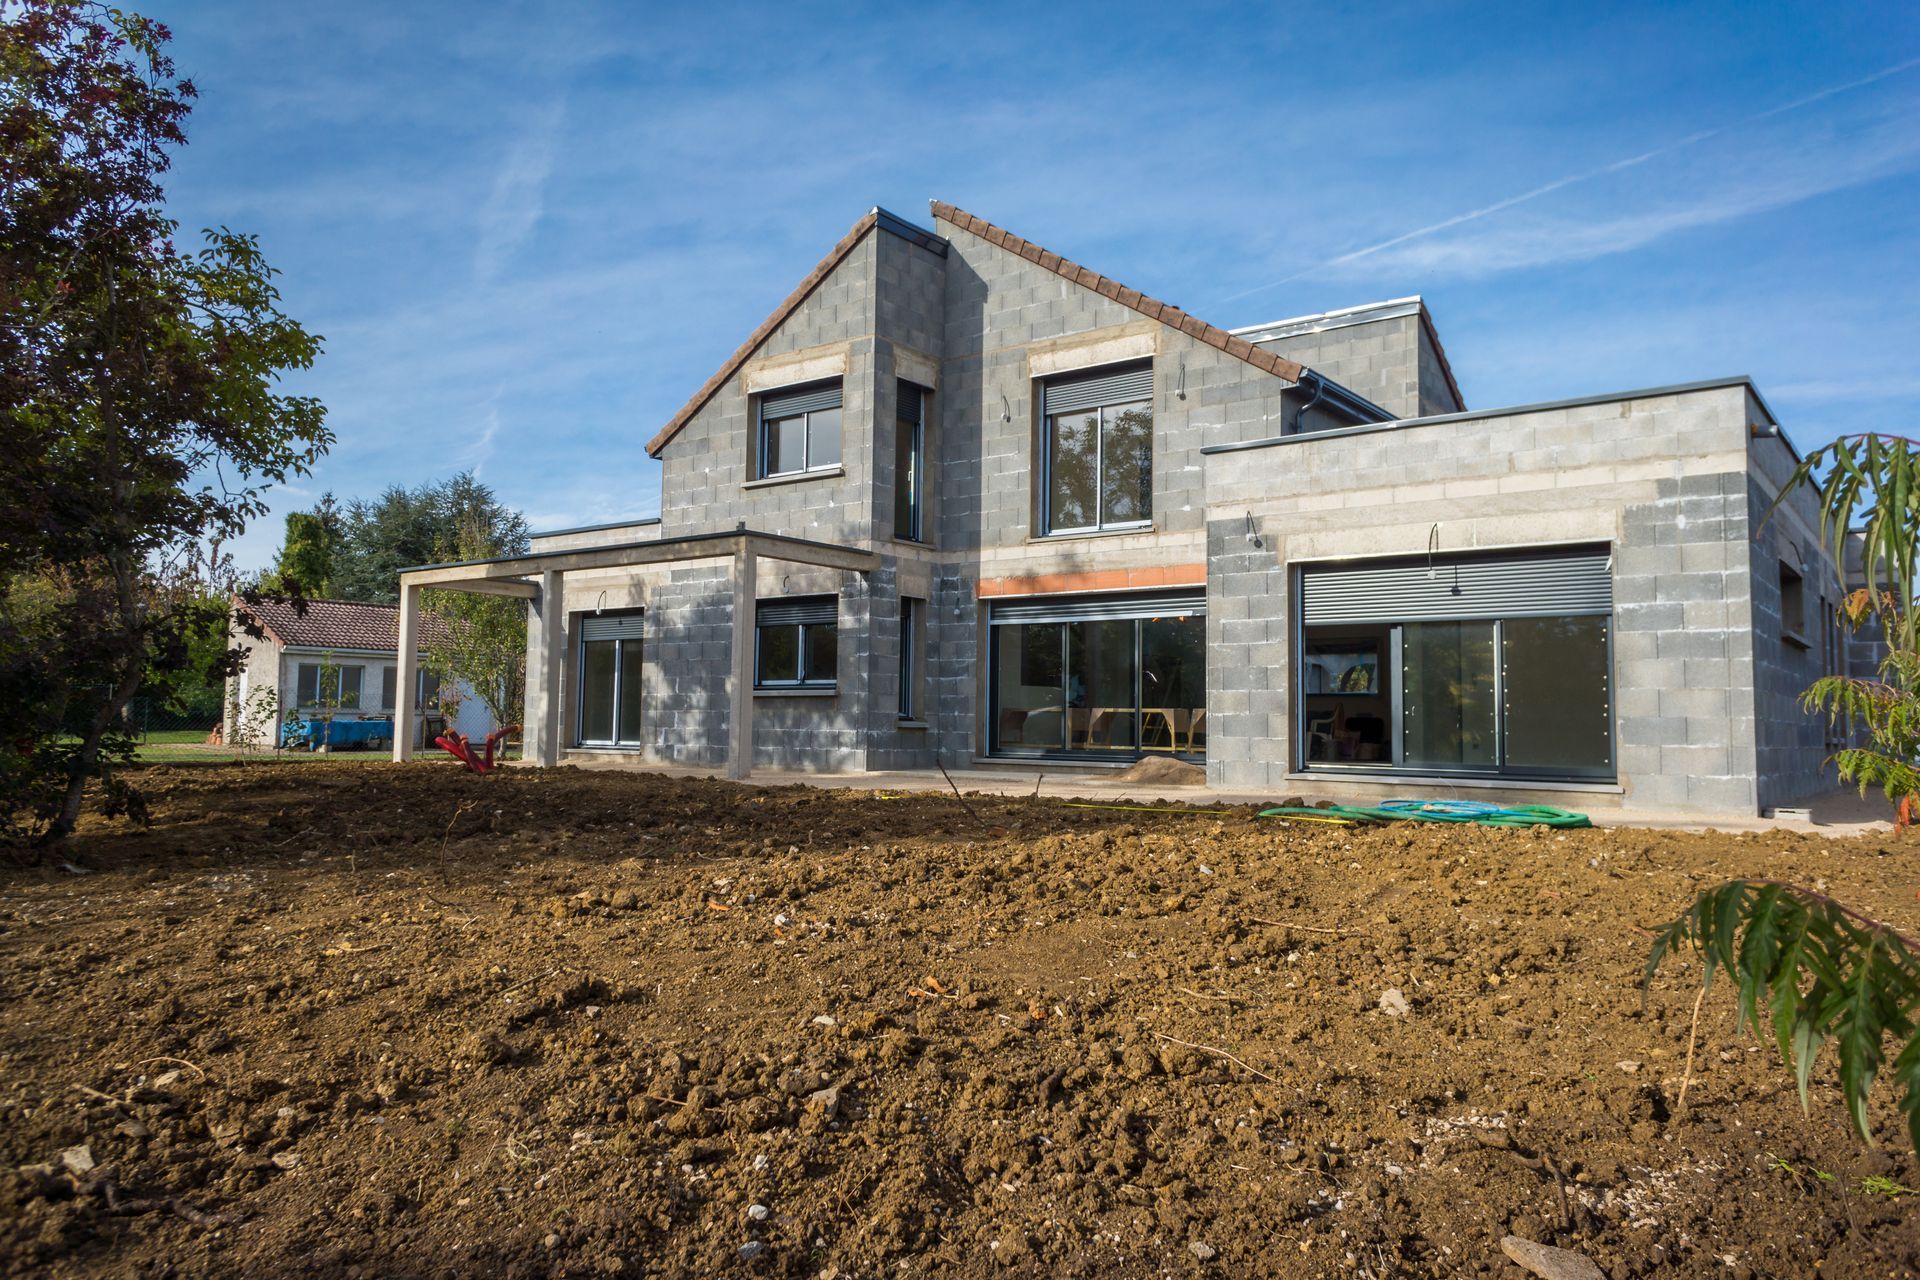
[596,528]
[907,231]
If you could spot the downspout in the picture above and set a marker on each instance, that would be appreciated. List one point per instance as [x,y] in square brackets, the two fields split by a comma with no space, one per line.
[1319,384]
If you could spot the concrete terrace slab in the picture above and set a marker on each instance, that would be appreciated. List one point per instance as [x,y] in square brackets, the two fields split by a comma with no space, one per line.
[1836,813]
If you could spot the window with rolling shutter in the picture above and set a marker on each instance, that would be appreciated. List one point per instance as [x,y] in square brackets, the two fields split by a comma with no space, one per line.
[799,430]
[796,642]
[1097,450]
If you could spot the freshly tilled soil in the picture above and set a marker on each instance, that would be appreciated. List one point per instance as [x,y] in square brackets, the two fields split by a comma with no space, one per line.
[368,1021]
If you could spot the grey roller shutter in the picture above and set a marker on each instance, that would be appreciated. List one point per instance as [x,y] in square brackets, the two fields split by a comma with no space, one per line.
[1170,604]
[612,626]
[798,400]
[1459,587]
[909,406]
[1091,390]
[811,610]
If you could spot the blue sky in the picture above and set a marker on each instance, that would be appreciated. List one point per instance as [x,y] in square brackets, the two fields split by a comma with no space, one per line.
[529,232]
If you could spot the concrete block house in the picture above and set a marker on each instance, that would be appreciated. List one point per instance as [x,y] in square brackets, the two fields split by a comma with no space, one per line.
[960,499]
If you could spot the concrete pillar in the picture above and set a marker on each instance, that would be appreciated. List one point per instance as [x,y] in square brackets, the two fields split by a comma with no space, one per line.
[740,674]
[542,730]
[406,676]
[553,640]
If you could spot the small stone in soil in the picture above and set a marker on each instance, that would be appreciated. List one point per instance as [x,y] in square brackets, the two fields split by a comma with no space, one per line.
[757,1212]
[78,1159]
[751,1250]
[1550,1263]
[1201,1250]
[1394,1004]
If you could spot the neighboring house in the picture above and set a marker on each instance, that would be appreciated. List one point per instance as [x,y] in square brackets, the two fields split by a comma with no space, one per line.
[959,499]
[339,658]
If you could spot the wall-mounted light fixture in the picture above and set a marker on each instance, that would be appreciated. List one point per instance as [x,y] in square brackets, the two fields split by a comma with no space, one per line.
[1180,389]
[599,604]
[1253,531]
[1006,408]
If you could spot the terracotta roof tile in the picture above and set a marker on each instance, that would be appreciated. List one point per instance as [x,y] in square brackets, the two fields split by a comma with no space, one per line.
[1201,331]
[338,624]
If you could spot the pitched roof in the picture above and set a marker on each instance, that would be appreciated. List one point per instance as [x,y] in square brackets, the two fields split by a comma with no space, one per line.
[337,624]
[1165,312]
[780,313]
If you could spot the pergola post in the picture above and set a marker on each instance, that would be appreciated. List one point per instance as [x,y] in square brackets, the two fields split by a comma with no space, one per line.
[740,678]
[546,655]
[406,672]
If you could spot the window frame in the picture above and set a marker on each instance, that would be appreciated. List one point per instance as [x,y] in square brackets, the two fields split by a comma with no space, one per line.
[916,502]
[1793,623]
[341,690]
[762,434]
[1047,529]
[801,652]
[912,611]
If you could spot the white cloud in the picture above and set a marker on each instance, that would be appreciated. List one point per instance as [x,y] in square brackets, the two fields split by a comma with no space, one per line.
[518,198]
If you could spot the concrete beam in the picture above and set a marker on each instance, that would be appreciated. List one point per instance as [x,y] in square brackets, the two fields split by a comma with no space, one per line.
[491,587]
[768,546]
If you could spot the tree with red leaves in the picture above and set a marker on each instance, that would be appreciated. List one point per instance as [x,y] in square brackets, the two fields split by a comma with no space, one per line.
[139,390]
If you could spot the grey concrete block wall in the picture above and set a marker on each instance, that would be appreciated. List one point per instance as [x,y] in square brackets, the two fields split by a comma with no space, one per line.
[1378,359]
[688,636]
[1790,653]
[1660,480]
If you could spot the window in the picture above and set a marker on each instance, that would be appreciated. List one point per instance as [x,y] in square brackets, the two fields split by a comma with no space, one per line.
[324,685]
[910,614]
[800,430]
[1098,451]
[426,690]
[1104,677]
[909,460]
[797,643]
[1495,665]
[1793,606]
[611,681]
[389,679]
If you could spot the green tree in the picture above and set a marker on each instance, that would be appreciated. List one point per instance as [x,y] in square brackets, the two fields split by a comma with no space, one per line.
[305,563]
[405,527]
[139,390]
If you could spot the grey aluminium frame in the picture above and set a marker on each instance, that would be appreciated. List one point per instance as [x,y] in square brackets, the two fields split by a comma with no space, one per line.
[1099,476]
[580,738]
[1395,691]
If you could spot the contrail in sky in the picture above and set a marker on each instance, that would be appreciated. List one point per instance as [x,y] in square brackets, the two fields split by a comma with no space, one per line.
[1615,167]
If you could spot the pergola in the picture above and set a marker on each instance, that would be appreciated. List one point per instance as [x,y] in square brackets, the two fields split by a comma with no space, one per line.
[538,578]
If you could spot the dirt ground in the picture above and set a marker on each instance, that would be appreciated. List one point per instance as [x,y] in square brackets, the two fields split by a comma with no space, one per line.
[347,1021]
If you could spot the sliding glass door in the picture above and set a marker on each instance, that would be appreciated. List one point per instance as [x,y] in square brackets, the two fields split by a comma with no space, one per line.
[1495,664]
[1448,716]
[1106,678]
